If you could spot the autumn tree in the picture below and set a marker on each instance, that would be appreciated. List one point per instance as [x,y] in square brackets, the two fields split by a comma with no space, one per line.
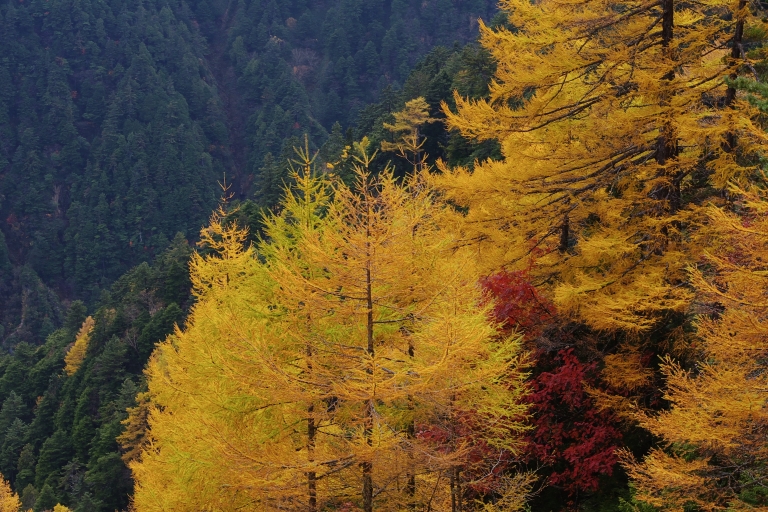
[308,361]
[9,500]
[134,437]
[182,436]
[385,280]
[76,353]
[713,455]
[614,118]
[406,131]
[573,440]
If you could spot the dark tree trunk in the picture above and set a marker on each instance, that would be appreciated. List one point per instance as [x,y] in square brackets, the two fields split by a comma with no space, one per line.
[311,475]
[666,144]
[730,93]
[564,234]
[738,36]
[367,466]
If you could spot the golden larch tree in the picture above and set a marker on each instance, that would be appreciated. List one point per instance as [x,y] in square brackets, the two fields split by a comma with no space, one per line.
[394,317]
[306,363]
[406,131]
[613,118]
[9,500]
[714,455]
[76,353]
[221,414]
[134,437]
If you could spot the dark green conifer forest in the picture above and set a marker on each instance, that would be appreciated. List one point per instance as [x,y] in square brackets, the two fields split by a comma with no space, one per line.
[118,119]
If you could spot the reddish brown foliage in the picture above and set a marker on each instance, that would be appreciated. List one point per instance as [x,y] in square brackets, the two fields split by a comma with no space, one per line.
[486,463]
[518,304]
[571,436]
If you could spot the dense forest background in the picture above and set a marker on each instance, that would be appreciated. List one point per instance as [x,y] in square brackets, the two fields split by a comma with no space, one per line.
[118,121]
[119,118]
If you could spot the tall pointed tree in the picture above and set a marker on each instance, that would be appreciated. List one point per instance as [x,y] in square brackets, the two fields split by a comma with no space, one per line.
[9,500]
[397,311]
[406,131]
[305,364]
[210,390]
[76,353]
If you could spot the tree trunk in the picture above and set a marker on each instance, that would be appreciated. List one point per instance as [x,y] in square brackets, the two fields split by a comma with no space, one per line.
[666,144]
[311,475]
[311,437]
[410,489]
[564,234]
[730,93]
[457,504]
[367,466]
[411,435]
[453,492]
[738,36]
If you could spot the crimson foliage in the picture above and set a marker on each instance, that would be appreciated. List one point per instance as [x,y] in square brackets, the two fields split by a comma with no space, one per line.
[518,304]
[570,436]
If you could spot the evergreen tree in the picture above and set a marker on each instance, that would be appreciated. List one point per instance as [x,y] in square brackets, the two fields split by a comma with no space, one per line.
[46,500]
[13,408]
[11,448]
[26,468]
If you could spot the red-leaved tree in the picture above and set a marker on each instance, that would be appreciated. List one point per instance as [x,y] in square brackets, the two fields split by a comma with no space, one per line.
[571,438]
[517,303]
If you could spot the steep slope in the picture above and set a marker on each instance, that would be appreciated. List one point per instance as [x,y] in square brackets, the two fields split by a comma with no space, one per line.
[107,117]
[117,118]
[58,428]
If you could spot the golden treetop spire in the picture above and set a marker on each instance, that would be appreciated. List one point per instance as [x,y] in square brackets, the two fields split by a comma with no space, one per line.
[406,130]
[76,354]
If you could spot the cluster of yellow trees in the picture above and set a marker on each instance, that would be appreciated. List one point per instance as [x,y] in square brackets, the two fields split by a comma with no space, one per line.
[332,366]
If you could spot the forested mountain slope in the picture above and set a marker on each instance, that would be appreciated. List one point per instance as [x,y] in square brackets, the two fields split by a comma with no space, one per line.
[60,417]
[117,118]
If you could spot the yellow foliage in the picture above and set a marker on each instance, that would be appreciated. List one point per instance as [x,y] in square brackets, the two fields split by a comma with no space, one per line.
[76,354]
[60,508]
[625,370]
[717,424]
[608,126]
[9,500]
[408,141]
[508,496]
[306,363]
[134,437]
